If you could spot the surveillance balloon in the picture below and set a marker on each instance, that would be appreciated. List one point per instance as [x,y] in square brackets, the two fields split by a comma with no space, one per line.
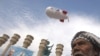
[56,13]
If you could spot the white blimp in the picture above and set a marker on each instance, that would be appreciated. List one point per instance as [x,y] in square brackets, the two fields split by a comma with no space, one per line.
[56,13]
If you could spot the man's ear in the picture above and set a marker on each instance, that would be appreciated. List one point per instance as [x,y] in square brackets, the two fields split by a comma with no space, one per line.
[96,53]
[71,52]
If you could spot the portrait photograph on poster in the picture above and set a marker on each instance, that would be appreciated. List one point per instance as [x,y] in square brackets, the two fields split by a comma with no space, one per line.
[18,51]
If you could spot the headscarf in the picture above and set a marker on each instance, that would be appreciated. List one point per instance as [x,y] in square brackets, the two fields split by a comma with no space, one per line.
[93,39]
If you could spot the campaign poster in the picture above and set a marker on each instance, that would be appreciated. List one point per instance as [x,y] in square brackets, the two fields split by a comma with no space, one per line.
[18,51]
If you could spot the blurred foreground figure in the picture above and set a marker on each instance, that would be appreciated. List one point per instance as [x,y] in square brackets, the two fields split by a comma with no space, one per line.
[44,48]
[55,13]
[13,41]
[59,49]
[85,44]
[3,39]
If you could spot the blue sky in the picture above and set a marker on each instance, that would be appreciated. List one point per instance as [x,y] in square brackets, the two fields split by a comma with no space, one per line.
[28,17]
[12,8]
[86,6]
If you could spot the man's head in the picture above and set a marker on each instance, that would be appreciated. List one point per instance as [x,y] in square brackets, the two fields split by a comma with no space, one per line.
[85,44]
[11,52]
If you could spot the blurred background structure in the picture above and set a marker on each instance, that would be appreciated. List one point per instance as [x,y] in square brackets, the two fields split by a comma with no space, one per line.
[44,48]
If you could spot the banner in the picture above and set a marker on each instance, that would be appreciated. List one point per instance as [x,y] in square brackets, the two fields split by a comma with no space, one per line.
[18,51]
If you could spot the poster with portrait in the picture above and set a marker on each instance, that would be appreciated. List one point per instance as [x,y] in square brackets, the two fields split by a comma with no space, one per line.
[18,51]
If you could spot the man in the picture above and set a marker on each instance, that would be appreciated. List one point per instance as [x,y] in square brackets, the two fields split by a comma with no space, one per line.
[85,44]
[11,52]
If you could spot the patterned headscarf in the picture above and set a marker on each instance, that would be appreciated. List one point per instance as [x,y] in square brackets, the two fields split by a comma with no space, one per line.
[93,39]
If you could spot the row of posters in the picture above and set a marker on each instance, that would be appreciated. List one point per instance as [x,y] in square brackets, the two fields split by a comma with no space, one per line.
[18,51]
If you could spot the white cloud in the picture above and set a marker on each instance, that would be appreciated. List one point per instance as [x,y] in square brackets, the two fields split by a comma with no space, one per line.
[56,32]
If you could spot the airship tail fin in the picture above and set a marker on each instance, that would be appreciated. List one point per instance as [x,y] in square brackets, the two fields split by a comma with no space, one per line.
[64,12]
[61,20]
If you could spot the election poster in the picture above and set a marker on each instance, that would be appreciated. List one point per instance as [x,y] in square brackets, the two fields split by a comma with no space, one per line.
[18,51]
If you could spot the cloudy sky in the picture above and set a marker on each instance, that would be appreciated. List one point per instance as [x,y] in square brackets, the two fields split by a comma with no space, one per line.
[28,17]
